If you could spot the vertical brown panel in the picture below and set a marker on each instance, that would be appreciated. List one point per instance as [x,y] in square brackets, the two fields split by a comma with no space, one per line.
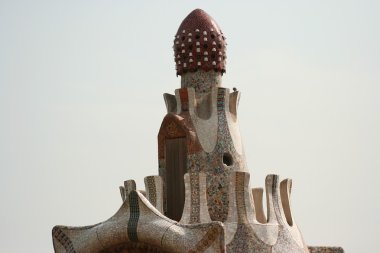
[175,160]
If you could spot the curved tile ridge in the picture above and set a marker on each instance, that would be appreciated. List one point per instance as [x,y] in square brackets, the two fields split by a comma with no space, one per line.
[129,185]
[137,221]
[278,202]
[206,128]
[241,214]
[194,238]
[232,121]
[195,209]
[244,233]
[154,191]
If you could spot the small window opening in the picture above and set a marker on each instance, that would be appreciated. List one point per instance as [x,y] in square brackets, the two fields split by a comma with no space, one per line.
[227,159]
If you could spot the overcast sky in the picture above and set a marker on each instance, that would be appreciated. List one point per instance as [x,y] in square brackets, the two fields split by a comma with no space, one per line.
[81,86]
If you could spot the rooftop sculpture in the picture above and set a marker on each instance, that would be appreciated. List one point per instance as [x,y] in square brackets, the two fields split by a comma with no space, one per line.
[201,201]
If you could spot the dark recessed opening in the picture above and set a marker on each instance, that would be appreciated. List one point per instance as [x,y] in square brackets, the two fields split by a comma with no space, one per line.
[183,37]
[227,159]
[197,36]
[205,46]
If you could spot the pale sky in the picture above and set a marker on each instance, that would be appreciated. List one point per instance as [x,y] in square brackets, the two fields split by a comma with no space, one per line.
[81,86]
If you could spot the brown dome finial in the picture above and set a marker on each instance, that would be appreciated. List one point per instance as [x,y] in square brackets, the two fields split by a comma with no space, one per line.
[199,44]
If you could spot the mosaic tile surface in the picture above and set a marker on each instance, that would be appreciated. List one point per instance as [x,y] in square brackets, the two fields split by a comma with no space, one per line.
[222,213]
[199,44]
[201,81]
[139,223]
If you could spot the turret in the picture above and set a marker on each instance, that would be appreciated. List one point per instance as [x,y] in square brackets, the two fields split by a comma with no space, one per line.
[202,200]
[200,132]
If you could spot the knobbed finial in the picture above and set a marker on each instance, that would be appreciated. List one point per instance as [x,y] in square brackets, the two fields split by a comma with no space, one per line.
[199,44]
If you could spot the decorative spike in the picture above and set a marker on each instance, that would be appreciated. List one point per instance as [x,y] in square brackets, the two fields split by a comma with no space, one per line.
[122,193]
[154,191]
[271,188]
[285,189]
[195,210]
[257,194]
[241,209]
[170,102]
[130,185]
